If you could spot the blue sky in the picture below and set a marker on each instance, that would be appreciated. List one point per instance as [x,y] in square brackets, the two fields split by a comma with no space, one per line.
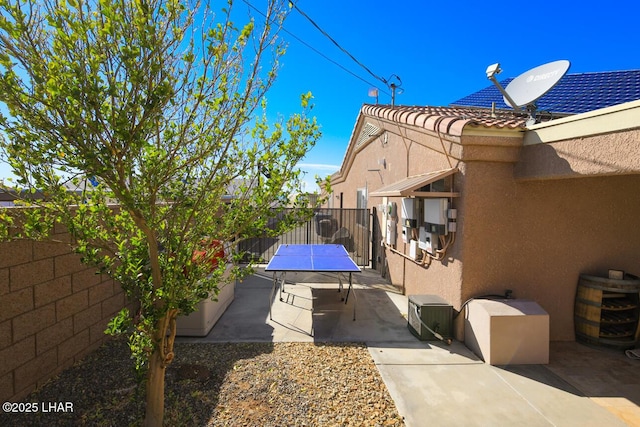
[440,50]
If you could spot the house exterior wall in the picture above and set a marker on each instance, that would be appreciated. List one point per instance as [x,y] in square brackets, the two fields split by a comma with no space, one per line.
[586,225]
[404,154]
[536,237]
[531,216]
[604,154]
[53,311]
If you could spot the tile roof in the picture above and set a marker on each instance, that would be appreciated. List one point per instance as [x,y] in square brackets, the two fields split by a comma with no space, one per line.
[574,93]
[450,120]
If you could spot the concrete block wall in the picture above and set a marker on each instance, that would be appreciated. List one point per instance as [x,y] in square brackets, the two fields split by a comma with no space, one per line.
[53,312]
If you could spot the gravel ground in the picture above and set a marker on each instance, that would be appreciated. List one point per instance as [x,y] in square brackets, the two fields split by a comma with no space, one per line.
[238,384]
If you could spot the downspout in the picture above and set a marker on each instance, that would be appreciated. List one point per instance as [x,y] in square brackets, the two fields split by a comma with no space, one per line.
[404,258]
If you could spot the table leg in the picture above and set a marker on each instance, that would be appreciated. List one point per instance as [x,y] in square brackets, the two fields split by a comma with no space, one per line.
[273,288]
[355,299]
[282,283]
[279,281]
[348,290]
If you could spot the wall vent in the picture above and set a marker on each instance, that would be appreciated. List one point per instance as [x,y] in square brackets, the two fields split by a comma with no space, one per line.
[368,132]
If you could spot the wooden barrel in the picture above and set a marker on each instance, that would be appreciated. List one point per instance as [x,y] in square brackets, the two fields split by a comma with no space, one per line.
[607,310]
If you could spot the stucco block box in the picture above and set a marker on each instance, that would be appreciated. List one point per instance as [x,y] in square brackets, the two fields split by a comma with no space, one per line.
[200,322]
[507,331]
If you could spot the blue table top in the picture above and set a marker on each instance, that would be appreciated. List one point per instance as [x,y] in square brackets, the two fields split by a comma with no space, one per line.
[330,258]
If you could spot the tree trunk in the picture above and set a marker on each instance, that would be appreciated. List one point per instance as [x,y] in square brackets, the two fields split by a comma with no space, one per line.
[164,336]
[155,391]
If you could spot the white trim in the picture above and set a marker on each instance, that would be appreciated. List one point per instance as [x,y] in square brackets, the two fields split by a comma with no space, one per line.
[605,120]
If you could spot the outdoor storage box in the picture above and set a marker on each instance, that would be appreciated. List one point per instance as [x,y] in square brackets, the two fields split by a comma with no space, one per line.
[432,311]
[507,331]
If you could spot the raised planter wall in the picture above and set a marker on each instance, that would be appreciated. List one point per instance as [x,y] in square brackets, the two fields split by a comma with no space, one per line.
[200,322]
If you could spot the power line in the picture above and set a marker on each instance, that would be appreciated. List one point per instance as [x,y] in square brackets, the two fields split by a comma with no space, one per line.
[320,53]
[382,79]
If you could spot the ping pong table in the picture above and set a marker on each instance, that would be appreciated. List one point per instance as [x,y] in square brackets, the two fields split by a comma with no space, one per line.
[329,258]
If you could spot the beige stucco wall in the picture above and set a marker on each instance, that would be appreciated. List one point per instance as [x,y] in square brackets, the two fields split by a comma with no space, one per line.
[534,210]
[603,154]
[586,225]
[536,237]
[405,153]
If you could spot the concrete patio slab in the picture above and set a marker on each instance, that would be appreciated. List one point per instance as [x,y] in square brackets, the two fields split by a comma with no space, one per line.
[432,383]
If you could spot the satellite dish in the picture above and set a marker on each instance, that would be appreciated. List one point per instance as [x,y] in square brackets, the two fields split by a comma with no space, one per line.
[530,86]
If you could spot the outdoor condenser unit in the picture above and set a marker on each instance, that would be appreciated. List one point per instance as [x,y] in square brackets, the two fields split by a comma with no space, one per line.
[429,312]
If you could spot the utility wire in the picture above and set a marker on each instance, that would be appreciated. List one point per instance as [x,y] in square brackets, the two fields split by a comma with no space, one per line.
[320,53]
[382,79]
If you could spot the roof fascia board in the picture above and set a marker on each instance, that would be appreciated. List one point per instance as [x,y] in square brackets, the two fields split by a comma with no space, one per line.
[606,120]
[473,130]
[349,155]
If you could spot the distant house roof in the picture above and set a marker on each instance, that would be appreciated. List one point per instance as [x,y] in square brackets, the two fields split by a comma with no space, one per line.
[574,93]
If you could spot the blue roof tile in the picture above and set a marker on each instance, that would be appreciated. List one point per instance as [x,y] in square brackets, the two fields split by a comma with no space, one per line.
[574,93]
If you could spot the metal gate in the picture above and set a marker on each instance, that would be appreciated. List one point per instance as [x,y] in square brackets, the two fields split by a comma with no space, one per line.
[348,227]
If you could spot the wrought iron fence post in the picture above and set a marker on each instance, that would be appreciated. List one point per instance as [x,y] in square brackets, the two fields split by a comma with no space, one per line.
[372,238]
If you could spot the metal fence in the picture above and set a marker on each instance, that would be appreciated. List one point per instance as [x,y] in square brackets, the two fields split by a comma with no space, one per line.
[348,227]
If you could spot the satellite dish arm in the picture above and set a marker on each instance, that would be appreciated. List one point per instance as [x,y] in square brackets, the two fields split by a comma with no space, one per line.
[504,93]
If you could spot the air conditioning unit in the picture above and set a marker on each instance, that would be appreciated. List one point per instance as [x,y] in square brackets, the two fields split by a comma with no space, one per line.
[428,314]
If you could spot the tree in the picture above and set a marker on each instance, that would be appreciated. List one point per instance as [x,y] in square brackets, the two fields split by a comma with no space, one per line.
[158,105]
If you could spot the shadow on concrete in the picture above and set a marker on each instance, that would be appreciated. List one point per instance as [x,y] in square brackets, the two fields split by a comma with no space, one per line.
[313,310]
[594,372]
[377,318]
[541,374]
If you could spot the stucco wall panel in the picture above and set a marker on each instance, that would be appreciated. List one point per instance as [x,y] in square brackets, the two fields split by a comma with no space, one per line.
[582,226]
[618,153]
[439,278]
[490,149]
[420,136]
[486,216]
[489,154]
[535,238]
[378,164]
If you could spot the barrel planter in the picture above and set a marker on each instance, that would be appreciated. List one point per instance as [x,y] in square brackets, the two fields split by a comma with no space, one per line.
[607,311]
